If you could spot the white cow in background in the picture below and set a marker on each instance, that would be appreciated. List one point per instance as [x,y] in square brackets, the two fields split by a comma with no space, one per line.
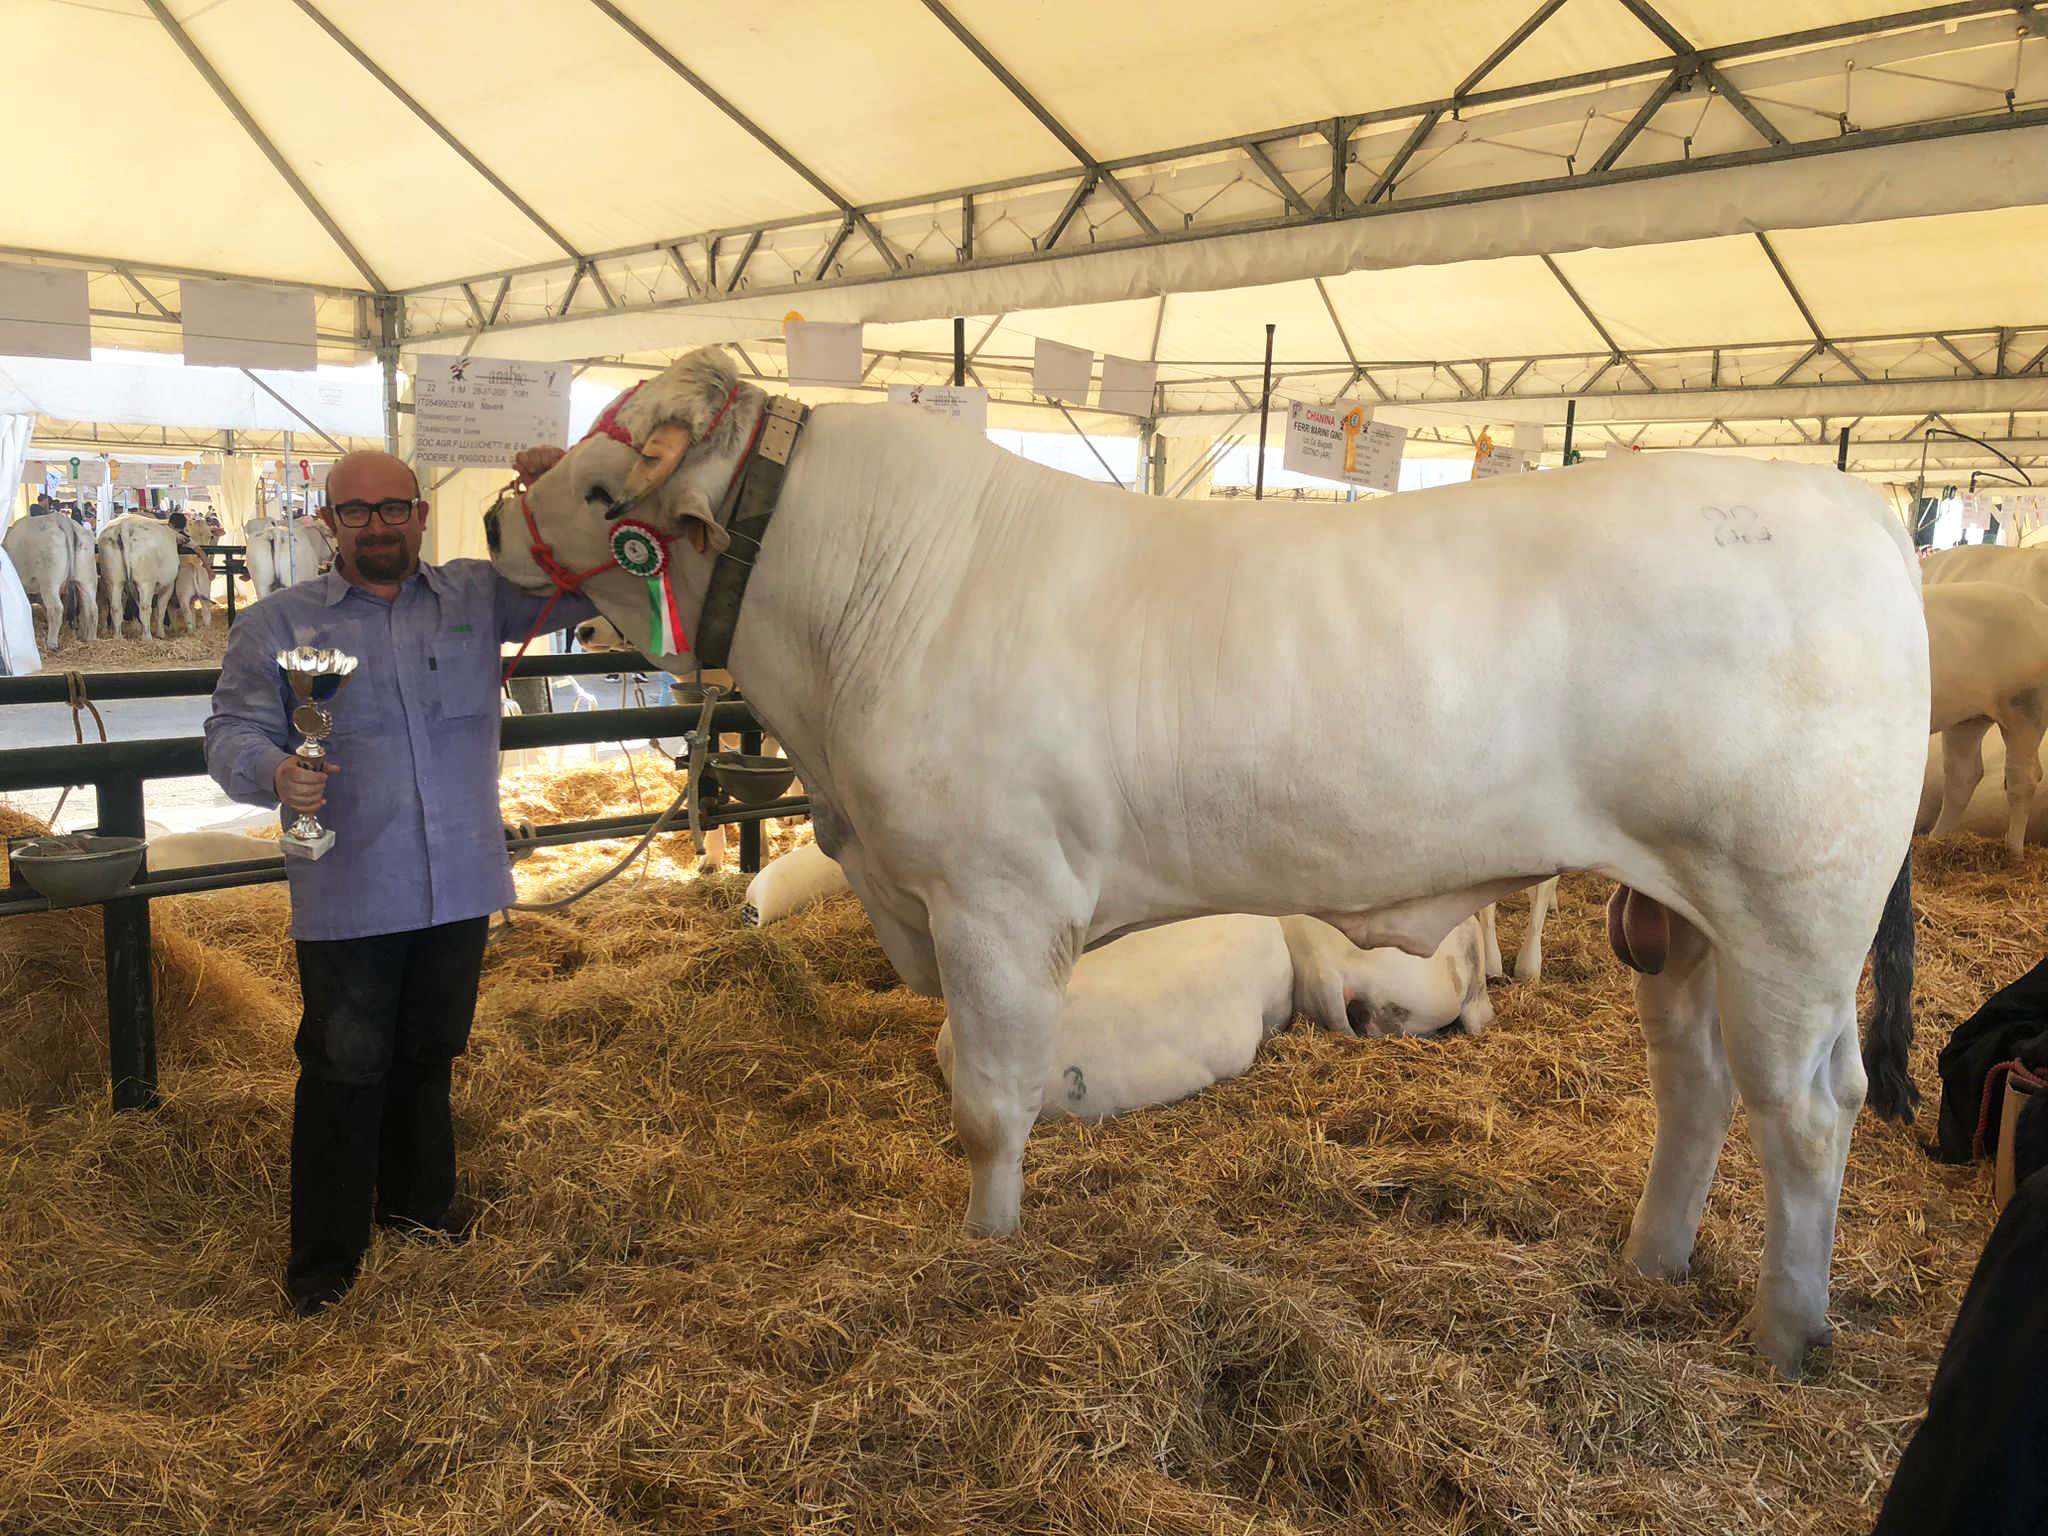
[2026,569]
[1031,713]
[1987,647]
[18,653]
[1165,1012]
[280,555]
[192,592]
[54,558]
[140,554]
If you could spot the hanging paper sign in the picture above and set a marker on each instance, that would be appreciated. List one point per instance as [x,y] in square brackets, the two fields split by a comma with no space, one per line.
[202,475]
[640,551]
[128,474]
[477,412]
[34,474]
[1061,372]
[963,403]
[1490,459]
[90,471]
[1342,442]
[822,352]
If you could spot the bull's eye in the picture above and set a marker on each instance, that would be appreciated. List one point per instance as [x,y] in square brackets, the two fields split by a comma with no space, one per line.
[598,494]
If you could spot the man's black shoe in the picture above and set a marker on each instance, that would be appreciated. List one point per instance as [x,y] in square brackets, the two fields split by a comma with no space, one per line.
[454,1226]
[316,1290]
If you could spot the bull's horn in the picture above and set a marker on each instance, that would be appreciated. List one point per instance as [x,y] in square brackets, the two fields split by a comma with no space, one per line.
[659,456]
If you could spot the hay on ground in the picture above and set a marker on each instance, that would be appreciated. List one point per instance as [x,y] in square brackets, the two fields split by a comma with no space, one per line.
[1371,1286]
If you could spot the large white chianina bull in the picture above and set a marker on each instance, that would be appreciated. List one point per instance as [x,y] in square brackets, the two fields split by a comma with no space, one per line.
[1032,713]
[140,554]
[54,558]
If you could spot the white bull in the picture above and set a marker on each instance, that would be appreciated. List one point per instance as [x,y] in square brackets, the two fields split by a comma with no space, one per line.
[2026,569]
[139,553]
[1032,712]
[54,558]
[1988,654]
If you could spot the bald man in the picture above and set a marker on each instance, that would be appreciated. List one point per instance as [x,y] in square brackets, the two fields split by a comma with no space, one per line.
[389,922]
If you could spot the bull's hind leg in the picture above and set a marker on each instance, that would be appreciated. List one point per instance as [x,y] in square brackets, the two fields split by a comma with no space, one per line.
[2022,726]
[1795,1060]
[1962,769]
[1003,995]
[1695,1098]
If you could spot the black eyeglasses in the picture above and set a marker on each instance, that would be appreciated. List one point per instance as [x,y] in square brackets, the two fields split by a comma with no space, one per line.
[356,514]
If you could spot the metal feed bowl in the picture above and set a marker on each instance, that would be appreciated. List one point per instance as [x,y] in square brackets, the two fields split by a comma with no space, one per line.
[752,780]
[78,868]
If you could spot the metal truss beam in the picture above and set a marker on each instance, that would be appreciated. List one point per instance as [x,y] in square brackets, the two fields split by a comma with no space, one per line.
[1799,302]
[1676,41]
[262,141]
[1051,124]
[802,242]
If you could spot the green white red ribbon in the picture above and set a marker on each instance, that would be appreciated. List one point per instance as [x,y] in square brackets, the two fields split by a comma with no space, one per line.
[640,551]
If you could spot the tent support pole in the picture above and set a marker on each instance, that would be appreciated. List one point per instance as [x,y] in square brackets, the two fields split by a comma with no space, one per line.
[1842,451]
[1265,409]
[1571,421]
[389,318]
[959,350]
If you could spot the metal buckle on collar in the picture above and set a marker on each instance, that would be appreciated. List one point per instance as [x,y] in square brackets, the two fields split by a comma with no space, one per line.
[778,429]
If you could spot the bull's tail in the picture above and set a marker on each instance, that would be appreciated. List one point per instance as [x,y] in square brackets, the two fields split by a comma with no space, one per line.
[1892,1094]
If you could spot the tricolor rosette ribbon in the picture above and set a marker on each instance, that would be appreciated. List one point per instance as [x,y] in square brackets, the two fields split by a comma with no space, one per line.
[642,552]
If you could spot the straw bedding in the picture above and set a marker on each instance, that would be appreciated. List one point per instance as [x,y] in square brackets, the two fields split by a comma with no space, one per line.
[1369,1287]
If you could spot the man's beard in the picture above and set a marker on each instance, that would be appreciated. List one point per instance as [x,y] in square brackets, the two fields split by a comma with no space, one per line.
[384,562]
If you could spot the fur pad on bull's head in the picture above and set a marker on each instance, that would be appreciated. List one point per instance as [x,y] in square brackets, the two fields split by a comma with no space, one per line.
[681,430]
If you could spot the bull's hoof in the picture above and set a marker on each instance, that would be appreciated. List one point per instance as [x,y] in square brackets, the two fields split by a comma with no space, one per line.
[750,916]
[1796,1352]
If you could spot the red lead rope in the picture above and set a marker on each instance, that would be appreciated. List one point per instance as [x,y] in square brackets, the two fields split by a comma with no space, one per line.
[566,580]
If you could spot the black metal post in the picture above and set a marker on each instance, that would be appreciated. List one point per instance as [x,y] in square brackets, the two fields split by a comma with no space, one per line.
[1571,421]
[1265,408]
[959,350]
[750,831]
[124,928]
[1842,451]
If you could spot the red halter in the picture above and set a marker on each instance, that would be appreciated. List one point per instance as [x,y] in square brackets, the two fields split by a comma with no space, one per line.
[566,580]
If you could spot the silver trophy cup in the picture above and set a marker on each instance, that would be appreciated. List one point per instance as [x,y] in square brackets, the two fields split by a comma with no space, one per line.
[316,675]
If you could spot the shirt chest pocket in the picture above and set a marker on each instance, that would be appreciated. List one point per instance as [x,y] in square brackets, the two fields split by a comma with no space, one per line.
[465,670]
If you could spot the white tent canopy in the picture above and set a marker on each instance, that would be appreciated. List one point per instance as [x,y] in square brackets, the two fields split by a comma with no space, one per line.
[1729,222]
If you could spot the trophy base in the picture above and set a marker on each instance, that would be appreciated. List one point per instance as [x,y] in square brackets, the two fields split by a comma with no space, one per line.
[307,847]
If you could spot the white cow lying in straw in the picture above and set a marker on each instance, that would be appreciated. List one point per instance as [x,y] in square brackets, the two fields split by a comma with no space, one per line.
[806,875]
[139,555]
[54,558]
[1164,1013]
[1987,647]
[1032,712]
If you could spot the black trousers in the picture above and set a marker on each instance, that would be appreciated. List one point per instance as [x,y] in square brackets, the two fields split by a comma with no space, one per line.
[384,1017]
[1978,1465]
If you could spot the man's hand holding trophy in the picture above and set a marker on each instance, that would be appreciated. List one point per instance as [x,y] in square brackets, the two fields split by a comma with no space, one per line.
[316,675]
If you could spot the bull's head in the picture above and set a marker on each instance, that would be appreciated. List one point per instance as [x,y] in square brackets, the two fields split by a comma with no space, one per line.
[659,454]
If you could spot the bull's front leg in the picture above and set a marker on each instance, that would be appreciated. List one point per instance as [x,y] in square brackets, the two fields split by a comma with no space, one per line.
[1003,985]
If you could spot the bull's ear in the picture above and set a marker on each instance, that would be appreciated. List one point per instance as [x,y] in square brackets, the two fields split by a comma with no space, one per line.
[687,514]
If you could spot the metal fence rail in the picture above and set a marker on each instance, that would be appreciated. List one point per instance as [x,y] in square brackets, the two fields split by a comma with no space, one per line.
[119,769]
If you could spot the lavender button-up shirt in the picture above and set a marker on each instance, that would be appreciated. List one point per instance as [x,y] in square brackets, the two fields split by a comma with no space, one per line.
[418,839]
